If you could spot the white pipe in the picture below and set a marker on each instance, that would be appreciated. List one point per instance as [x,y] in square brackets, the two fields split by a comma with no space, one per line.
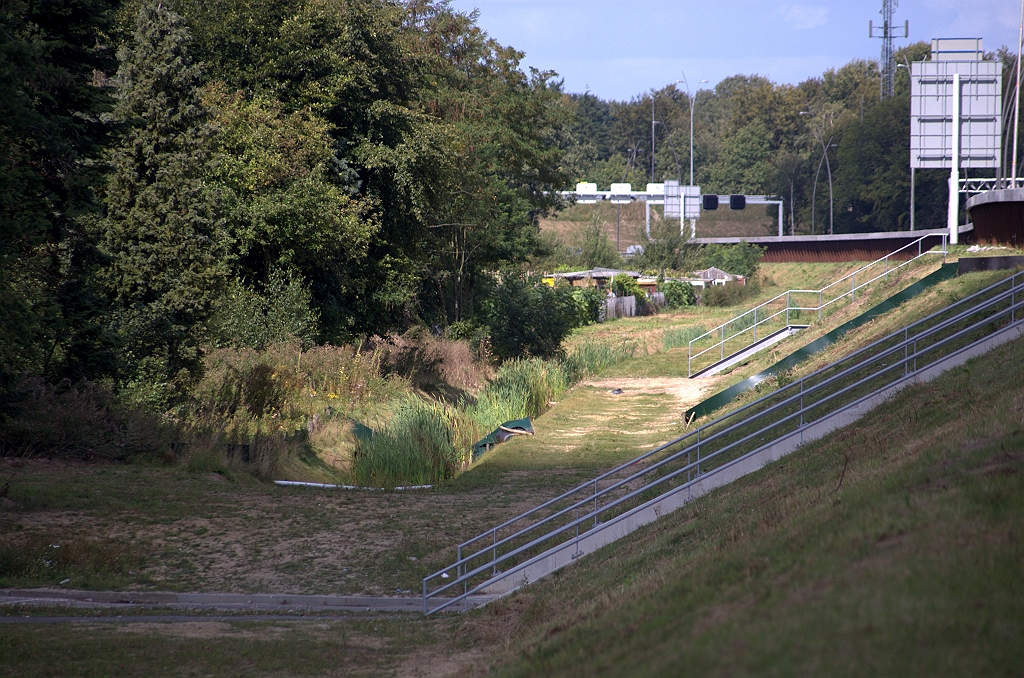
[328,486]
[953,217]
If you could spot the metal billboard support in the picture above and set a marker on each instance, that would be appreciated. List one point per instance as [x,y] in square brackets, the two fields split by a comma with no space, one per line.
[954,172]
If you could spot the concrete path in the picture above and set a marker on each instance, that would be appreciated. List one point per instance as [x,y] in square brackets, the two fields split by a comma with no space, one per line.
[270,602]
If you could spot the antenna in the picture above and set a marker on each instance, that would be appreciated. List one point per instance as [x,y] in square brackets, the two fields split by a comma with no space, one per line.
[887,64]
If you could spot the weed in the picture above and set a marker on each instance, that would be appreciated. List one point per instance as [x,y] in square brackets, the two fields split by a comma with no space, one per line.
[679,337]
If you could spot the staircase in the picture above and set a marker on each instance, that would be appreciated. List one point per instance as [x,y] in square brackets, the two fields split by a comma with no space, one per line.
[598,512]
[779,317]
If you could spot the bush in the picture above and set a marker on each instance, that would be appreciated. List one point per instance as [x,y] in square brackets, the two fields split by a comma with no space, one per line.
[741,259]
[529,318]
[730,294]
[624,285]
[678,294]
[245,318]
[589,301]
[79,421]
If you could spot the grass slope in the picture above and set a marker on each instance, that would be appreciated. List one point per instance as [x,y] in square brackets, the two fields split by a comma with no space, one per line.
[893,547]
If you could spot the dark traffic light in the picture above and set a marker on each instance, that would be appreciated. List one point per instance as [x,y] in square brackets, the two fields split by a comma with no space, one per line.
[737,202]
[709,202]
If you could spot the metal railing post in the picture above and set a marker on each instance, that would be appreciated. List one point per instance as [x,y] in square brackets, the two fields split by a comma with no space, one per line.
[595,503]
[906,350]
[494,551]
[853,287]
[819,304]
[755,323]
[723,343]
[801,403]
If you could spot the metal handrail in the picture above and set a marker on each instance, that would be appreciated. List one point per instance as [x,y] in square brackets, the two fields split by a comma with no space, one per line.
[822,304]
[464,569]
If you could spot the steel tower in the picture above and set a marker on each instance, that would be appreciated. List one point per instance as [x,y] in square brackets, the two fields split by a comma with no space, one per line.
[887,32]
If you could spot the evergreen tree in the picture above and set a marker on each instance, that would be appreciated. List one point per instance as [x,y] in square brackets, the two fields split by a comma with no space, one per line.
[163,230]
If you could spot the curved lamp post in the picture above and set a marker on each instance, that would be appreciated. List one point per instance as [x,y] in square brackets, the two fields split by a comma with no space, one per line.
[828,166]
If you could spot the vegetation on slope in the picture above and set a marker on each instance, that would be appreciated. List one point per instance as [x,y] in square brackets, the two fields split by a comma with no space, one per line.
[892,547]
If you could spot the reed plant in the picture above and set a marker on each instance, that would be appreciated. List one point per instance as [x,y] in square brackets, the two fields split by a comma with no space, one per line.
[679,337]
[424,442]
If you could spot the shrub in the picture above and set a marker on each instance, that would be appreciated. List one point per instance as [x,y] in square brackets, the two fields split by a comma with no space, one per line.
[247,318]
[678,294]
[529,318]
[589,301]
[79,421]
[730,294]
[624,285]
[741,259]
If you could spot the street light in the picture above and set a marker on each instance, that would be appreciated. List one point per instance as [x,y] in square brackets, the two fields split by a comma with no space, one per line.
[692,98]
[824,157]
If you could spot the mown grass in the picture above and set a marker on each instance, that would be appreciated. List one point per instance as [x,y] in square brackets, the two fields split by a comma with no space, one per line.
[893,547]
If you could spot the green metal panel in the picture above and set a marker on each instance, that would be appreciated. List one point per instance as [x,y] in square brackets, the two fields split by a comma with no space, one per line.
[723,398]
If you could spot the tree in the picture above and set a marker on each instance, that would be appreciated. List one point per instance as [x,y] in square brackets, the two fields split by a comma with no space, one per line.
[53,58]
[163,229]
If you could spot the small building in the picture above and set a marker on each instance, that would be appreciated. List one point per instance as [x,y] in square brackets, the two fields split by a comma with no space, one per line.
[716,276]
[599,277]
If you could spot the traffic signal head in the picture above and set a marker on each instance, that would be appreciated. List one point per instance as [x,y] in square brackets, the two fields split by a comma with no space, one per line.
[709,202]
[737,202]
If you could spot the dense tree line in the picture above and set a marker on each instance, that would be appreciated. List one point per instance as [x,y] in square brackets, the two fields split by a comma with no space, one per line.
[757,137]
[184,174]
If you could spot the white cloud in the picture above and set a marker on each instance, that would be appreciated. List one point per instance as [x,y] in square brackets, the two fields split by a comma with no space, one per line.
[804,17]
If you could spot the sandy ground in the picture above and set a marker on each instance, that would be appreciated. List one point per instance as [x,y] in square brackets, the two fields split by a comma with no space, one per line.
[688,391]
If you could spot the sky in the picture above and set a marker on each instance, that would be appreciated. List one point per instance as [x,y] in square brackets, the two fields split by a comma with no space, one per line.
[618,50]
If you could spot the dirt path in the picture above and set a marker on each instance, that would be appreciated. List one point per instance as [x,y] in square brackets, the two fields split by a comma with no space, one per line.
[688,391]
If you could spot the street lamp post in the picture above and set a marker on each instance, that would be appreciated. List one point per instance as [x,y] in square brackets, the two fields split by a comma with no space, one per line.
[828,166]
[692,98]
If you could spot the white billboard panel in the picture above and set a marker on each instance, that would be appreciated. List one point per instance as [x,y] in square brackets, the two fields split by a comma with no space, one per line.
[672,200]
[931,114]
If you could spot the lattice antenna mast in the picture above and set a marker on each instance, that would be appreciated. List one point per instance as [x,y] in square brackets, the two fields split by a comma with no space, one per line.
[887,32]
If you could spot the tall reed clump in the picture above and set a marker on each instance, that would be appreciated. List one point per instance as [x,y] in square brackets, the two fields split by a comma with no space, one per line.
[680,336]
[429,441]
[424,442]
[522,388]
[587,359]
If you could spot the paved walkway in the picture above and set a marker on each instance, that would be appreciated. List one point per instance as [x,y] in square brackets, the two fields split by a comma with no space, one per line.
[282,604]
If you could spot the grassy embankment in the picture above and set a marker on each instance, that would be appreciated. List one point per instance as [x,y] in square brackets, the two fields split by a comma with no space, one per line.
[890,548]
[188,527]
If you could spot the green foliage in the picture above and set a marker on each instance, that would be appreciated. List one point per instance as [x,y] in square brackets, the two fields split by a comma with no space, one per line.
[680,336]
[163,231]
[678,294]
[594,247]
[589,301]
[528,318]
[591,358]
[625,285]
[742,259]
[245,318]
[730,294]
[744,164]
[52,59]
[424,443]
